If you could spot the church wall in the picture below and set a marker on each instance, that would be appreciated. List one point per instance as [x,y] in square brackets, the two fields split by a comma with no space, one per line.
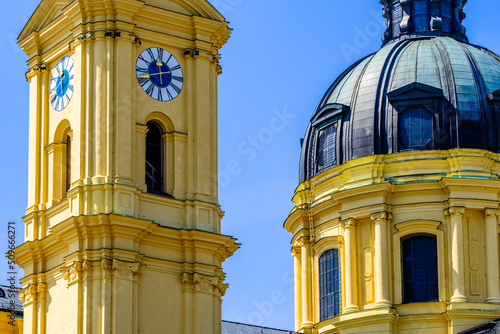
[370,206]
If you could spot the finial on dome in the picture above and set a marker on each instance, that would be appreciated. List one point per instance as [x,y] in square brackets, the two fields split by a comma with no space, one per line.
[415,18]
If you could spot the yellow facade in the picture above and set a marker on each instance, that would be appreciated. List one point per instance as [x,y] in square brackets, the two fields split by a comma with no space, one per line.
[106,256]
[365,207]
[6,326]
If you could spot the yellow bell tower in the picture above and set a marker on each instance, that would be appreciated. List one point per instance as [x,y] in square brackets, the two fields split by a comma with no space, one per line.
[123,223]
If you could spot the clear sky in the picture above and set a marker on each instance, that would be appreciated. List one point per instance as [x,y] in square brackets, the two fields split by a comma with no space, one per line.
[281,58]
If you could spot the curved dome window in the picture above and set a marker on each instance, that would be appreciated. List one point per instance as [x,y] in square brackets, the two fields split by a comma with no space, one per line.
[2,293]
[420,269]
[327,142]
[415,127]
[329,284]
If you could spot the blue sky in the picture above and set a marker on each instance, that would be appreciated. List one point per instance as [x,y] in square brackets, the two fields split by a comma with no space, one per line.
[281,58]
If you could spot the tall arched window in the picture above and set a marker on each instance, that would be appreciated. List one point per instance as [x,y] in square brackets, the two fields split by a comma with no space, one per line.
[154,158]
[329,284]
[420,269]
[68,162]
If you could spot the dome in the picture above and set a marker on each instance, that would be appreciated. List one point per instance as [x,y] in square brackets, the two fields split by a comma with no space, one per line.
[432,92]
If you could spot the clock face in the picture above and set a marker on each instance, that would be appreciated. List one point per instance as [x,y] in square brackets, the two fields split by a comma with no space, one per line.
[159,74]
[62,83]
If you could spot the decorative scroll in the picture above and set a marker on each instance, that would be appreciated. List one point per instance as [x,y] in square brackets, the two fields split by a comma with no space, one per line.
[436,19]
[70,273]
[405,24]
[205,283]
[350,222]
[296,251]
[386,13]
[30,293]
[454,211]
[459,16]
[123,269]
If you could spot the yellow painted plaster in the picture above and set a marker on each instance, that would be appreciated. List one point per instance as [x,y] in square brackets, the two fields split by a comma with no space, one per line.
[366,206]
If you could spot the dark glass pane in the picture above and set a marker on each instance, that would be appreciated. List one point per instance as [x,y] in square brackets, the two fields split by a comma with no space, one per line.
[68,162]
[415,127]
[329,284]
[327,142]
[154,158]
[420,273]
[420,14]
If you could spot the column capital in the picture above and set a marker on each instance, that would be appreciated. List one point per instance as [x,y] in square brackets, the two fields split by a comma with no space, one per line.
[349,222]
[454,211]
[296,251]
[488,212]
[302,241]
[378,216]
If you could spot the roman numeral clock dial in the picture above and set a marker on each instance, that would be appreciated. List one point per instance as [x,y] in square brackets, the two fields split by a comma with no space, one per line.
[62,83]
[159,74]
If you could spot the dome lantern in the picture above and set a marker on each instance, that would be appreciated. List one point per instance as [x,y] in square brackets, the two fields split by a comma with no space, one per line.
[411,18]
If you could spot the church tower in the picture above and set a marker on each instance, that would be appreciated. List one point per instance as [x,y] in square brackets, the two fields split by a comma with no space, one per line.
[123,226]
[395,224]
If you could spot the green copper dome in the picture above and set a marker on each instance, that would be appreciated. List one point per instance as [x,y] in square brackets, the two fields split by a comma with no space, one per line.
[420,93]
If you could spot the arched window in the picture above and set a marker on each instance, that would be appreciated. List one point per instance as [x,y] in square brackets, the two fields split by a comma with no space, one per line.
[329,284]
[415,128]
[68,162]
[327,144]
[2,293]
[154,158]
[420,269]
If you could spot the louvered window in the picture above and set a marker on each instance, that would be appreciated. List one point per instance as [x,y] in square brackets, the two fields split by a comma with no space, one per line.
[329,284]
[420,269]
[327,144]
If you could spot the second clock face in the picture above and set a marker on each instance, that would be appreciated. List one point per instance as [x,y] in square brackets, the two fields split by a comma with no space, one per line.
[159,74]
[62,83]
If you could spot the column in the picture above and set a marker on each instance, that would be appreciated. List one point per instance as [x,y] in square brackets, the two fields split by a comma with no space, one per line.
[42,292]
[381,272]
[296,252]
[457,254]
[306,283]
[491,237]
[351,297]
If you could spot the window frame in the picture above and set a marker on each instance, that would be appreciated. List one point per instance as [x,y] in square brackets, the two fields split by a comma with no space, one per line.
[433,106]
[417,227]
[339,289]
[162,160]
[402,241]
[331,122]
[406,108]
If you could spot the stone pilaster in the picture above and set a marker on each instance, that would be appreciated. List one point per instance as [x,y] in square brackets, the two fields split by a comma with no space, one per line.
[457,254]
[350,272]
[381,273]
